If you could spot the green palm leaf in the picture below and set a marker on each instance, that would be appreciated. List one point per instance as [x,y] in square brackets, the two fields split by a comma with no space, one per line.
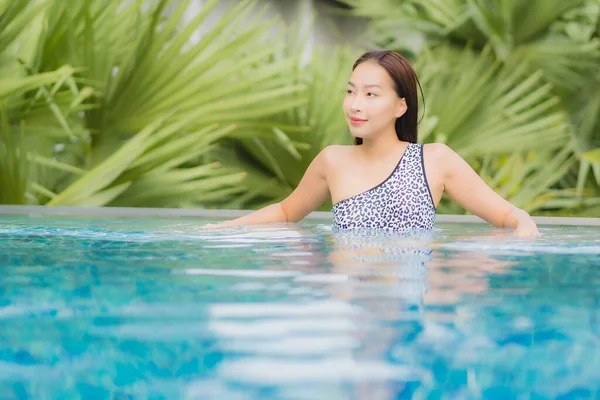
[145,65]
[495,109]
[15,178]
[36,109]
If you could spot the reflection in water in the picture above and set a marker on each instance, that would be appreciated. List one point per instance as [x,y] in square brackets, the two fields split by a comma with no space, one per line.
[158,307]
[384,295]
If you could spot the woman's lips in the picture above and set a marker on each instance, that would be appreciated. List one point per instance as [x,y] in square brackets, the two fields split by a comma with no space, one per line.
[357,121]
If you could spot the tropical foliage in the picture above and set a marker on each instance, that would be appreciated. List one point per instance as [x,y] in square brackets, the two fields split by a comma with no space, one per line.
[144,104]
[137,103]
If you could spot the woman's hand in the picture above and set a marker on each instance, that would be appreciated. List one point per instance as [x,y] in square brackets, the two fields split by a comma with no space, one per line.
[526,227]
[522,223]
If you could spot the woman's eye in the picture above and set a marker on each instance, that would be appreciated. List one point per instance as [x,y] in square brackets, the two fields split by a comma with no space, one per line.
[371,94]
[349,91]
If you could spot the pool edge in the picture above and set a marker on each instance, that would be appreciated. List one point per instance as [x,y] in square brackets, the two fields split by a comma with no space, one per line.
[204,213]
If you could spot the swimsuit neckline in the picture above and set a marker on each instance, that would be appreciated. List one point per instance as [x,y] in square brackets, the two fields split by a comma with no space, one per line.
[379,184]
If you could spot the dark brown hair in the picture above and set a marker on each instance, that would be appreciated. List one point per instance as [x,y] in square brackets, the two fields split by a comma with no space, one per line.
[405,82]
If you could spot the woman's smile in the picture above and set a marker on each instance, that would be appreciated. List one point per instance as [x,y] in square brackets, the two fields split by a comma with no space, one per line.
[355,121]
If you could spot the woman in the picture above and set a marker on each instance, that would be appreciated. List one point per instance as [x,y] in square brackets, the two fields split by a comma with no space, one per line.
[387,180]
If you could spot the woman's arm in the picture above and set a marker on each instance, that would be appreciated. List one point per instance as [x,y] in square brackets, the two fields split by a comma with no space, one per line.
[467,188]
[310,193]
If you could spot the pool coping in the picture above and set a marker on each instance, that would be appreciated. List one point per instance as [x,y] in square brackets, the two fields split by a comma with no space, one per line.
[205,213]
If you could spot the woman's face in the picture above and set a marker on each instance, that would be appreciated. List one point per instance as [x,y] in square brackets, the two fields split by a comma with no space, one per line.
[371,105]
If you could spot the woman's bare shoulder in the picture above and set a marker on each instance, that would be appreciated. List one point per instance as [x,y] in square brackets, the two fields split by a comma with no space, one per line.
[436,151]
[443,159]
[336,153]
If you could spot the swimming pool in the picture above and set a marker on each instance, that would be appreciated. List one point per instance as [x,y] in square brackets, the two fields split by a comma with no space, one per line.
[140,307]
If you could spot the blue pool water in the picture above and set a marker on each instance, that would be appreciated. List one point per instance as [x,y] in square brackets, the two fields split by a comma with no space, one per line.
[124,308]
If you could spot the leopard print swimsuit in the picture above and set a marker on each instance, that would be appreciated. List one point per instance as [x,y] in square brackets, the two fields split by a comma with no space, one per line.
[402,202]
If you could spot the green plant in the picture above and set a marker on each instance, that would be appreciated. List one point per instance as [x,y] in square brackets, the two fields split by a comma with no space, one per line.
[154,100]
[36,110]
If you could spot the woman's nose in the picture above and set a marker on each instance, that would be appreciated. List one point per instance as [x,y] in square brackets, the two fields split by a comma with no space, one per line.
[356,104]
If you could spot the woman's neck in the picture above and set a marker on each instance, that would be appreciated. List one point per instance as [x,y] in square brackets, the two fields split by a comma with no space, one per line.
[381,145]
